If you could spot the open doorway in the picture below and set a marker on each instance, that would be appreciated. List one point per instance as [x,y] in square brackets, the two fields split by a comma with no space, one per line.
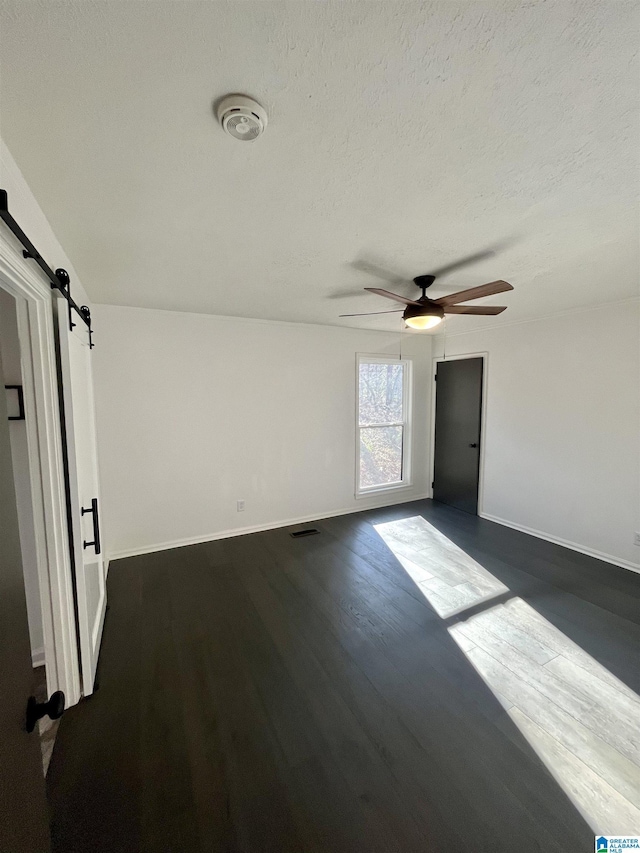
[13,366]
[37,608]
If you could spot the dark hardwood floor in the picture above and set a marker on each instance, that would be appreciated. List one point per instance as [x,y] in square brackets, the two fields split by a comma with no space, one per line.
[360,690]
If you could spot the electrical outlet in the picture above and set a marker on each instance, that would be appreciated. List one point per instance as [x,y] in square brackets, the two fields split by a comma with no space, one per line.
[636,538]
[240,506]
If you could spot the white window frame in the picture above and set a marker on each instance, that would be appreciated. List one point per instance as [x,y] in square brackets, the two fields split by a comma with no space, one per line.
[407,393]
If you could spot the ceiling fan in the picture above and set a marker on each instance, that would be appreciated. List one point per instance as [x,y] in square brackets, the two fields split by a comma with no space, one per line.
[425,313]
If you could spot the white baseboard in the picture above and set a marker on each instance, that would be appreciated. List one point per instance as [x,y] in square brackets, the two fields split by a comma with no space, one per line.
[556,540]
[37,657]
[257,528]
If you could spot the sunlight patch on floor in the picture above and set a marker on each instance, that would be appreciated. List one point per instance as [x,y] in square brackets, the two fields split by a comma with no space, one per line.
[581,720]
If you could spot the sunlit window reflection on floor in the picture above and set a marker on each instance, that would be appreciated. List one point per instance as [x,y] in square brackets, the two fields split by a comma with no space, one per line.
[581,720]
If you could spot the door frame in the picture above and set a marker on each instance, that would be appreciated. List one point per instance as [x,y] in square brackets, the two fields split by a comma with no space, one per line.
[33,296]
[483,417]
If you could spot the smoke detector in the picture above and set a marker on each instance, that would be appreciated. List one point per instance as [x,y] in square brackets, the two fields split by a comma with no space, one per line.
[242,117]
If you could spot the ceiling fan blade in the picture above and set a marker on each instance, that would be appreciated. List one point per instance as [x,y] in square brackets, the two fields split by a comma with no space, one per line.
[463,262]
[370,313]
[475,293]
[373,268]
[390,295]
[345,294]
[474,309]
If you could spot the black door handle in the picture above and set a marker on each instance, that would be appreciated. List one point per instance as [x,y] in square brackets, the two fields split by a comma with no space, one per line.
[473,445]
[54,709]
[93,509]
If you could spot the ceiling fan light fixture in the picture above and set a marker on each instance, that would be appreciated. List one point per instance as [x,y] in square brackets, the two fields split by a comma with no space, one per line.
[422,317]
[422,323]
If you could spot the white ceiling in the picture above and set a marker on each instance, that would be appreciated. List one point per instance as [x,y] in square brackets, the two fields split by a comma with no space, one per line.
[405,134]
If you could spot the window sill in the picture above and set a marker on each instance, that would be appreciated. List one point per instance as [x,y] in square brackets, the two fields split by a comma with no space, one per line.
[381,490]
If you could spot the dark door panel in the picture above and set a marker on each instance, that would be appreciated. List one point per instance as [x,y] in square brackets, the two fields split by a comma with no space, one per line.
[457,445]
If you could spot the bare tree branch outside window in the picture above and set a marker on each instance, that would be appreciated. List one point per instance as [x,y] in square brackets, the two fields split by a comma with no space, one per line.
[381,422]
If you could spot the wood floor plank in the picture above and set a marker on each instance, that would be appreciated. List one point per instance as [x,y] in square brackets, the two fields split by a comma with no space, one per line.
[352,750]
[431,778]
[414,664]
[616,769]
[587,789]
[162,721]
[620,732]
[253,757]
[497,620]
[590,683]
[411,678]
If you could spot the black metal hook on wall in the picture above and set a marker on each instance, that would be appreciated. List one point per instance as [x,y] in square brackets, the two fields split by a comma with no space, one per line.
[21,415]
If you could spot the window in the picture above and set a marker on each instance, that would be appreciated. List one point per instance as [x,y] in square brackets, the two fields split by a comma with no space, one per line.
[382,424]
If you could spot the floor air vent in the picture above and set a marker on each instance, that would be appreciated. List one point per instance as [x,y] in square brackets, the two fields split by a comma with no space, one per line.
[308,531]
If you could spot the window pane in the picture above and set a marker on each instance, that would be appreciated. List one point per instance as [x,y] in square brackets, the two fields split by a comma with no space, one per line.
[380,456]
[380,393]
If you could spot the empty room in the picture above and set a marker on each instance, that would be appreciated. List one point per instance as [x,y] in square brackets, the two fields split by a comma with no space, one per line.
[320,431]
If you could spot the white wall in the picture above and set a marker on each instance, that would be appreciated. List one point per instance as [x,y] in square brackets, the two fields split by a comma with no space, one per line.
[27,212]
[11,364]
[562,454]
[197,411]
[562,440]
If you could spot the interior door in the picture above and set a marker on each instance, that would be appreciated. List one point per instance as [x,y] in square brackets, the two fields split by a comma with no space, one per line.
[458,424]
[83,497]
[24,817]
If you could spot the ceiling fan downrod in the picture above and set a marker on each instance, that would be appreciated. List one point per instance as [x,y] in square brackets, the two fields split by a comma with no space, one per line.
[423,282]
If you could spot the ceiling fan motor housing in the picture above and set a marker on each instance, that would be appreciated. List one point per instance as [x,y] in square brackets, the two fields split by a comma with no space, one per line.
[427,307]
[424,281]
[242,117]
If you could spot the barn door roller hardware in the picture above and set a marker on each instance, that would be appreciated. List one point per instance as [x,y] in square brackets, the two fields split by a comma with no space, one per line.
[59,279]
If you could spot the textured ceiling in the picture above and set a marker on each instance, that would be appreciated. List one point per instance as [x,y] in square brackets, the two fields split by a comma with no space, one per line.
[404,134]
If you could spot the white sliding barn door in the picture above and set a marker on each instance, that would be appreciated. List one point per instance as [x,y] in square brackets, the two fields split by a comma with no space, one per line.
[84,498]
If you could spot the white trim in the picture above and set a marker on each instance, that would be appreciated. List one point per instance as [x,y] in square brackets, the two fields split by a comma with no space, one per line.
[256,528]
[38,659]
[407,411]
[557,540]
[33,297]
[583,309]
[296,324]
[372,491]
[261,528]
[436,332]
[483,418]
